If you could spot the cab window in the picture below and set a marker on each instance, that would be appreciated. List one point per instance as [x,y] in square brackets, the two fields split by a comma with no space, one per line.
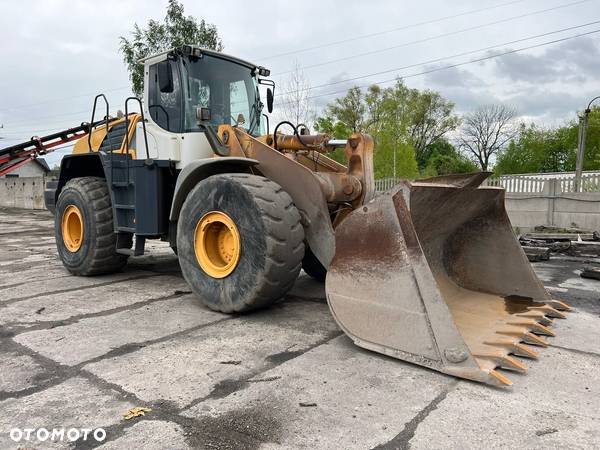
[165,107]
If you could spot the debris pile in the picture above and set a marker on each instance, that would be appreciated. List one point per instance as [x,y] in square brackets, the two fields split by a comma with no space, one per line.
[591,272]
[545,241]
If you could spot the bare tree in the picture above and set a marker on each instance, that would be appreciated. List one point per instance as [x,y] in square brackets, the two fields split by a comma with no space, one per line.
[486,131]
[296,106]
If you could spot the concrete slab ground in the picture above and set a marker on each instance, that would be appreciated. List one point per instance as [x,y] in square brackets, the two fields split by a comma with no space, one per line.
[78,353]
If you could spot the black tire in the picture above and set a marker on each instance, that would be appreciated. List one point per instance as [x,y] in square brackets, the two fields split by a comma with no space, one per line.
[271,241]
[312,266]
[97,254]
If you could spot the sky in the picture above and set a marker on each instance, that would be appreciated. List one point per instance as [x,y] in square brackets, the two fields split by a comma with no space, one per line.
[56,55]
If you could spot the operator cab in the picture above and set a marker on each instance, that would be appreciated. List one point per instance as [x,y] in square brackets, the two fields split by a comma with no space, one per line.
[190,88]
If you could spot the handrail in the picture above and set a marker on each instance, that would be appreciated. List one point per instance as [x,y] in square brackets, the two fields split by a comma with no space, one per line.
[143,119]
[106,118]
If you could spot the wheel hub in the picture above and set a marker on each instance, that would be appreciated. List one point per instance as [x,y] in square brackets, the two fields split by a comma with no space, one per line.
[217,244]
[72,228]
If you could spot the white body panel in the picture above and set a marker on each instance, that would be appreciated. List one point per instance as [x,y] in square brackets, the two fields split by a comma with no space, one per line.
[162,144]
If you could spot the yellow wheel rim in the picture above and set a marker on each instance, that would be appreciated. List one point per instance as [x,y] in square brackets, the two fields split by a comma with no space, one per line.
[217,244]
[72,228]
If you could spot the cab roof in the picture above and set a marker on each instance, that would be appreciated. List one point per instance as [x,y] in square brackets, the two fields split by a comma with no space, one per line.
[194,48]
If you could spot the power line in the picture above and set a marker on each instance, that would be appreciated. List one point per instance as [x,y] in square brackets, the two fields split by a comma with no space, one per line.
[63,99]
[56,100]
[404,27]
[33,119]
[451,66]
[376,73]
[433,61]
[439,36]
[297,51]
[437,69]
[85,112]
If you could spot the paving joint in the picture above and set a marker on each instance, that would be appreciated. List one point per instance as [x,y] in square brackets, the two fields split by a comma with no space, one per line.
[402,440]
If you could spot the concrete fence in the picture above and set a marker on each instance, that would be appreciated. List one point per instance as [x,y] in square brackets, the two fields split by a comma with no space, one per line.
[551,200]
[22,192]
[565,182]
[530,200]
[547,199]
[384,184]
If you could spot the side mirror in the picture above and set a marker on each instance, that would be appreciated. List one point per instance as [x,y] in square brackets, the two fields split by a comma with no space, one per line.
[165,77]
[270,100]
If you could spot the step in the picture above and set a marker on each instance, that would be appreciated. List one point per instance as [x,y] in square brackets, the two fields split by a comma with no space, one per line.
[138,247]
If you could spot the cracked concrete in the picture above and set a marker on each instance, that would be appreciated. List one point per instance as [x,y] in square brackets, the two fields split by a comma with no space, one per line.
[79,352]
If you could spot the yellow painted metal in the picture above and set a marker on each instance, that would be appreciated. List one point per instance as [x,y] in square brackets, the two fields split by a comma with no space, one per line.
[217,244]
[99,133]
[72,228]
[82,145]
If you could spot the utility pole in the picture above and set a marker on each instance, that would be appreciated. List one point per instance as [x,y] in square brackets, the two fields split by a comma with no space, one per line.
[583,121]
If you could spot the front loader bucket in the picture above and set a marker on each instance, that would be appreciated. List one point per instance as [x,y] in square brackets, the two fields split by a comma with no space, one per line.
[432,273]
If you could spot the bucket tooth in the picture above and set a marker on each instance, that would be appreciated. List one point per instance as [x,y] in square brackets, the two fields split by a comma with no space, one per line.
[509,363]
[557,304]
[534,326]
[538,316]
[524,351]
[498,379]
[526,337]
[538,328]
[549,311]
[530,338]
[514,348]
[545,321]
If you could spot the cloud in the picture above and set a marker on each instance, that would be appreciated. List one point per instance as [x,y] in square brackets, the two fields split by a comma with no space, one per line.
[451,77]
[543,103]
[337,89]
[51,73]
[572,61]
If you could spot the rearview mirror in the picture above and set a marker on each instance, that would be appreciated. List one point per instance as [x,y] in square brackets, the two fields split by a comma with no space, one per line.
[165,77]
[269,100]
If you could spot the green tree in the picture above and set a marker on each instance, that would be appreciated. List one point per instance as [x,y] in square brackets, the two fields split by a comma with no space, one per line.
[404,122]
[445,159]
[402,164]
[538,149]
[337,129]
[332,127]
[175,31]
[355,110]
[432,117]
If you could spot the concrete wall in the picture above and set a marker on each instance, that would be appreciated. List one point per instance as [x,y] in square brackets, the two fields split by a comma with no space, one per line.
[544,199]
[22,192]
[554,207]
[28,170]
[549,206]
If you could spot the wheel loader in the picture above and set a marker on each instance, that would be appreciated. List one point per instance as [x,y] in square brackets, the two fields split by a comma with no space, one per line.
[428,272]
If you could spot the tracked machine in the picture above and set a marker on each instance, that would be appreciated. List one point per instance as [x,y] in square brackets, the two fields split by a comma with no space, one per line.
[428,272]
